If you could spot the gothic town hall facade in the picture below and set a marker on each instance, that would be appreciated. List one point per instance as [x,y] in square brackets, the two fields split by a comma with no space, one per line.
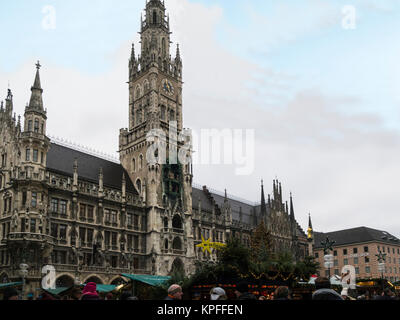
[94,219]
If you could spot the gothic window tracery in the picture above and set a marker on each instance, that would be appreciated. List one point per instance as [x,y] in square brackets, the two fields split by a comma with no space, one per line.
[139,186]
[146,86]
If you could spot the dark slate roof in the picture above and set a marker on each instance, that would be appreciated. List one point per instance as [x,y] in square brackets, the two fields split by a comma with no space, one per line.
[247,210]
[61,159]
[207,205]
[356,235]
[198,194]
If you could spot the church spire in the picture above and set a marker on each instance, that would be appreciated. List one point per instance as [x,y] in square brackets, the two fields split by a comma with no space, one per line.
[36,101]
[291,207]
[178,53]
[9,104]
[263,204]
[310,231]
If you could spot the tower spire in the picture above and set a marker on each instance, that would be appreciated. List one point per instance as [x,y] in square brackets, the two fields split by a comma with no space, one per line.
[291,207]
[36,101]
[9,104]
[263,204]
[310,231]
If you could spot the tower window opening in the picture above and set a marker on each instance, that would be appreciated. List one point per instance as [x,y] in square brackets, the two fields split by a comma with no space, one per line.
[154,17]
[36,129]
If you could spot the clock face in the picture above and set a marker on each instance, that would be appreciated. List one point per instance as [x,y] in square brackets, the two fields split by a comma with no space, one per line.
[167,87]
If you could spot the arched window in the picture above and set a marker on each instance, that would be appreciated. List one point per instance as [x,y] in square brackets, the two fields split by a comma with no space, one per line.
[178,266]
[172,115]
[177,244]
[146,86]
[134,165]
[138,92]
[154,17]
[139,186]
[177,222]
[166,244]
[164,48]
[166,223]
[163,112]
[36,128]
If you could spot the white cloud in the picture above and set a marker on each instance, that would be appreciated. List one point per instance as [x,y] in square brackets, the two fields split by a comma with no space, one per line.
[342,169]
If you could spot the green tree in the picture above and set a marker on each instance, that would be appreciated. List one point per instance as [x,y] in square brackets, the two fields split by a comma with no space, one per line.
[307,267]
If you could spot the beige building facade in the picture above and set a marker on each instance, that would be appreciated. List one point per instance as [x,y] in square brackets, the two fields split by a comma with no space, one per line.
[358,247]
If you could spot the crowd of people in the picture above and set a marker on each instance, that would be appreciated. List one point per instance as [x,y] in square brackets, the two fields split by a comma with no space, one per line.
[323,292]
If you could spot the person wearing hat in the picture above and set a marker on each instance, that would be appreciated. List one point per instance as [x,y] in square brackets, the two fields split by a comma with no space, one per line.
[218,294]
[174,292]
[89,292]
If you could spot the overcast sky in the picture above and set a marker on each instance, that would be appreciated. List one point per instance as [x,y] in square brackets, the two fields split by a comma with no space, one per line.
[323,100]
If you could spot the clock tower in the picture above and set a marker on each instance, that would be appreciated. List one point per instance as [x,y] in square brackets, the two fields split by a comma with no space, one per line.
[155,106]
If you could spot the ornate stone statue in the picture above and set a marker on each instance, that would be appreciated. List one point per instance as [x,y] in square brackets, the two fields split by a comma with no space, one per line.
[14,220]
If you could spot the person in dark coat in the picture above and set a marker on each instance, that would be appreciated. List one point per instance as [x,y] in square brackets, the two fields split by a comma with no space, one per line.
[281,293]
[386,295]
[89,292]
[10,294]
[76,294]
[324,291]
[242,291]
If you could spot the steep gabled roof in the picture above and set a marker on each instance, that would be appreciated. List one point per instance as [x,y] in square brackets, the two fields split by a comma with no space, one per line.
[60,159]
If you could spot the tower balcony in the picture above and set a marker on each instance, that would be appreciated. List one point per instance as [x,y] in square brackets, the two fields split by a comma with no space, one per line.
[27,135]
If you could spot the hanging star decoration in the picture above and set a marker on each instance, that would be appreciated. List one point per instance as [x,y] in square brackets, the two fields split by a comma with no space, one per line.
[328,245]
[381,257]
[207,245]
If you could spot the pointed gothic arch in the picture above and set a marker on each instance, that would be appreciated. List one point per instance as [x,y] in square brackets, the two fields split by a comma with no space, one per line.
[177,222]
[138,92]
[177,266]
[133,165]
[146,86]
[177,244]
[139,186]
[154,16]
